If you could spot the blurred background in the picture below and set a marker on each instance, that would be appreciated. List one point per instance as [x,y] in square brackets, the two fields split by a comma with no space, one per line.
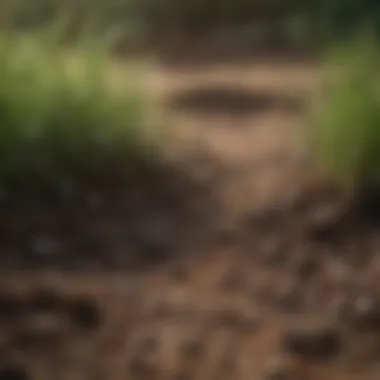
[288,21]
[189,189]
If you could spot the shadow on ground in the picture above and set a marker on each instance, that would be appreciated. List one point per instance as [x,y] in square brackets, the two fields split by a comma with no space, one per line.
[226,100]
[154,219]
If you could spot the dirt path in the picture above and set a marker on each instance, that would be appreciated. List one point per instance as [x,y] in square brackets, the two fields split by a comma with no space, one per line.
[271,291]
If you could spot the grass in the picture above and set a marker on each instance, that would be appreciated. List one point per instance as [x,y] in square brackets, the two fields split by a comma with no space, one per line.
[346,133]
[62,115]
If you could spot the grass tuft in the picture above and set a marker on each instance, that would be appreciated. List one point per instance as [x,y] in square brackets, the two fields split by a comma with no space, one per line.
[346,117]
[62,115]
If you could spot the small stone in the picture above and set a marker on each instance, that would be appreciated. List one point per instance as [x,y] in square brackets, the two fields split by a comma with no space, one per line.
[315,344]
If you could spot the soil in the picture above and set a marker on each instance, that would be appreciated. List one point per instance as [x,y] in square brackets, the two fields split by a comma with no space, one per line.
[242,262]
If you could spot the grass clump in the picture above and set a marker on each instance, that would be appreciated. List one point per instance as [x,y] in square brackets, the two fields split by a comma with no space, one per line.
[346,133]
[62,115]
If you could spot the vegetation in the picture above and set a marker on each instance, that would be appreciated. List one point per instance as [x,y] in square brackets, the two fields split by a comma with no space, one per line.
[62,115]
[347,117]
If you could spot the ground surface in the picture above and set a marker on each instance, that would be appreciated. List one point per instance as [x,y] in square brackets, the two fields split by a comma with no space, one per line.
[254,269]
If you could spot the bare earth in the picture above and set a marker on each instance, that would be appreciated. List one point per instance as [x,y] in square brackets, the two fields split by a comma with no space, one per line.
[257,272]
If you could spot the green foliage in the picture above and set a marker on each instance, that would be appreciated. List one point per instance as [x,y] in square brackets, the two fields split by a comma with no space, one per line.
[346,133]
[61,114]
